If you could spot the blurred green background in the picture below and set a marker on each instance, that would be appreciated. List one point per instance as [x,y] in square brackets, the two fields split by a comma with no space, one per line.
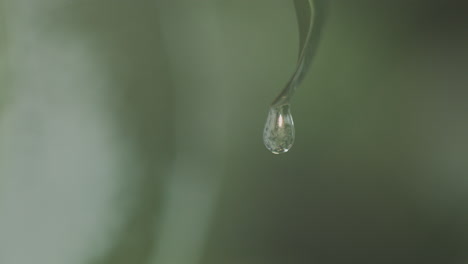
[130,132]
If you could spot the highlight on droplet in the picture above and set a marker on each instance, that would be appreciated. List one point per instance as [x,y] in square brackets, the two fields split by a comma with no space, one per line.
[278,134]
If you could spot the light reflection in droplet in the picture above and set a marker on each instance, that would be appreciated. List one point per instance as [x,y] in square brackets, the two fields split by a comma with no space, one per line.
[278,134]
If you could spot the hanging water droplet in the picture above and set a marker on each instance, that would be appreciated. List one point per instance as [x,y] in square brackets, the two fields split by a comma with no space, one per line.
[278,135]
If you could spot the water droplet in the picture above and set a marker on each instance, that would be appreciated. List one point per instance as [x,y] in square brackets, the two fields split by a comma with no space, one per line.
[278,135]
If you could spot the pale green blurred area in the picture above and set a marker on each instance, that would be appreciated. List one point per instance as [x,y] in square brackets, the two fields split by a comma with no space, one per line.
[130,132]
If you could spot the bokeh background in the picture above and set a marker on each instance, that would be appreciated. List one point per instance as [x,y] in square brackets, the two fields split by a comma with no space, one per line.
[130,132]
